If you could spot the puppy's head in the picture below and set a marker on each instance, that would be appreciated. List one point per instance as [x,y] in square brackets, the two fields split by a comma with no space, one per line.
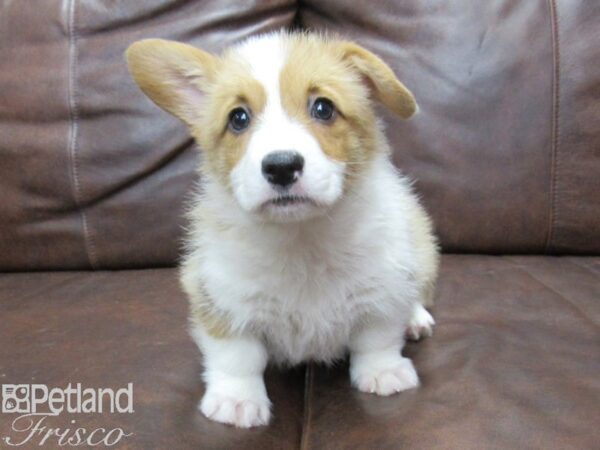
[285,120]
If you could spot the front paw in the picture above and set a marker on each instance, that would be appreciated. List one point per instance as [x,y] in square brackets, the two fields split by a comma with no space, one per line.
[383,375]
[239,402]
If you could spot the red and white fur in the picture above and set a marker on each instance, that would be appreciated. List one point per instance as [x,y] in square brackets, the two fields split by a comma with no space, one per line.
[344,265]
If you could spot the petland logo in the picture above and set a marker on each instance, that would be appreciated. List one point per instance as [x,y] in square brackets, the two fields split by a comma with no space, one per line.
[37,404]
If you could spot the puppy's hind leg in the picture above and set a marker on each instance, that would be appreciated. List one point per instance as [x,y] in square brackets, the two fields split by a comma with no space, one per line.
[420,324]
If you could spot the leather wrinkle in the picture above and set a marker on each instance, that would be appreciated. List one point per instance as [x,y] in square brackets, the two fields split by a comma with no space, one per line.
[584,267]
[573,306]
[141,175]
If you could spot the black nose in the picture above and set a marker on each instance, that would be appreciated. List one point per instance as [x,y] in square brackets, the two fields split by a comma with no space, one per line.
[282,168]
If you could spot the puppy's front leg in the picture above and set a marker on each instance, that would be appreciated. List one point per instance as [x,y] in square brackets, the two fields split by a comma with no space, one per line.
[233,373]
[376,363]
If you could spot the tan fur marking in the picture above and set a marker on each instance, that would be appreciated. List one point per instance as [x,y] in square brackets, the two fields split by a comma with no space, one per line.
[316,68]
[200,89]
[236,88]
[348,75]
[204,314]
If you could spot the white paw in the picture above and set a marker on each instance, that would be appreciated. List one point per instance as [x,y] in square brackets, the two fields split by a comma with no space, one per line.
[420,325]
[384,376]
[243,405]
[239,412]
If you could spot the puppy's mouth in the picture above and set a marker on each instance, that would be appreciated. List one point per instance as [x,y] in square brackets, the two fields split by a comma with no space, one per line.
[289,200]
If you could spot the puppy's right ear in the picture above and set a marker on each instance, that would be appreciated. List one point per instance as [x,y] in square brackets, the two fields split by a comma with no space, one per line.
[174,75]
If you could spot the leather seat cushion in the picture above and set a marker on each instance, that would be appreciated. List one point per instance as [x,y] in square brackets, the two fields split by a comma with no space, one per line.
[513,363]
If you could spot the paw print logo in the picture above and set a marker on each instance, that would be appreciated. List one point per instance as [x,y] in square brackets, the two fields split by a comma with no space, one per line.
[15,398]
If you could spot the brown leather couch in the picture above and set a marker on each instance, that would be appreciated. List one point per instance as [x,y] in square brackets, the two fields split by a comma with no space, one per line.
[506,155]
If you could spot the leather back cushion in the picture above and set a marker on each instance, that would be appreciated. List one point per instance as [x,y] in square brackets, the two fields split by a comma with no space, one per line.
[506,148]
[92,173]
[505,151]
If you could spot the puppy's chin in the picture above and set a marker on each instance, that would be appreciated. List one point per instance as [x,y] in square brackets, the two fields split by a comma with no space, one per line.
[284,210]
[287,209]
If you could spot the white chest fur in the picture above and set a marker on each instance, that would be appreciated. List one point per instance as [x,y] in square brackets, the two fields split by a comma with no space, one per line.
[304,287]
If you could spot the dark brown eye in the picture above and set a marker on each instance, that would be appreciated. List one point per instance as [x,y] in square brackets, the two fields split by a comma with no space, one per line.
[322,109]
[239,119]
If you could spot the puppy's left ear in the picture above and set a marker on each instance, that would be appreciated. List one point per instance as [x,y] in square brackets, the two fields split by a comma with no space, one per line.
[382,81]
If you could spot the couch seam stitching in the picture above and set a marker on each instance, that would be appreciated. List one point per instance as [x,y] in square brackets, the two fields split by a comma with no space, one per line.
[306,417]
[554,167]
[73,134]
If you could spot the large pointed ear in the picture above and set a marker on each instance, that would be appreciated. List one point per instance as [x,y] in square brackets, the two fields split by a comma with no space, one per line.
[172,74]
[382,82]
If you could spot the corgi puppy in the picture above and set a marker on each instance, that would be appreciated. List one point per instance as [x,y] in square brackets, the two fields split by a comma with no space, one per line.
[305,241]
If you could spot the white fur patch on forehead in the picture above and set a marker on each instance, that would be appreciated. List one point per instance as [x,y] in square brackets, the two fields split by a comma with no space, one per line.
[265,55]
